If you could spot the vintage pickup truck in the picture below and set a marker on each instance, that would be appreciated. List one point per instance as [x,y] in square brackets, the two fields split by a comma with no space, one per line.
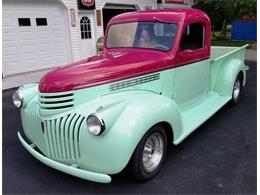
[156,81]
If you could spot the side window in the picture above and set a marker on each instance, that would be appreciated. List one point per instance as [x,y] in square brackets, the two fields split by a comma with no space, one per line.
[193,37]
[165,34]
[85,28]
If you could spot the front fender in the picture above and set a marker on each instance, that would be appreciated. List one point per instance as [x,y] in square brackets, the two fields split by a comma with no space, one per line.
[133,115]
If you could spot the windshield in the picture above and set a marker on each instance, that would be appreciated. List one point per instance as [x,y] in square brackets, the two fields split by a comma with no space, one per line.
[150,35]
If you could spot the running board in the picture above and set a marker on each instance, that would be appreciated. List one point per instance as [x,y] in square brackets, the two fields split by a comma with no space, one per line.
[197,115]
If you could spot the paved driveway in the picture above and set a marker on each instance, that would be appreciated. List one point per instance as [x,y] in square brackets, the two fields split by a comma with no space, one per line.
[218,158]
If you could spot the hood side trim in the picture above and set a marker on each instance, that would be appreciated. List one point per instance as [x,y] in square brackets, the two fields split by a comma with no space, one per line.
[134,82]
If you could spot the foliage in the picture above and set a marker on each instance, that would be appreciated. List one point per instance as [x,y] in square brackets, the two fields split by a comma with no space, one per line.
[252,44]
[223,12]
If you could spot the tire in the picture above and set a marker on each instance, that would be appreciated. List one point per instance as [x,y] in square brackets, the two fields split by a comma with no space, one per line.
[237,88]
[149,154]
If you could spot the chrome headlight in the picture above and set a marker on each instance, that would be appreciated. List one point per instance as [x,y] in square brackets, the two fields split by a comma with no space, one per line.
[95,124]
[17,99]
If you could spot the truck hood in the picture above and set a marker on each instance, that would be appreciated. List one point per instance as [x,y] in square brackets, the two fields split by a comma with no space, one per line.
[104,68]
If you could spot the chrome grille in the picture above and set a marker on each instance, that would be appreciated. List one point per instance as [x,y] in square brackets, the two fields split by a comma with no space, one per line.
[56,101]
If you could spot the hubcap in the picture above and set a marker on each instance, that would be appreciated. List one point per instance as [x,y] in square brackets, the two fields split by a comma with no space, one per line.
[153,152]
[236,90]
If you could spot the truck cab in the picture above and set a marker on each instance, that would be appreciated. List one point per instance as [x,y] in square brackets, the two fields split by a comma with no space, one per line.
[157,80]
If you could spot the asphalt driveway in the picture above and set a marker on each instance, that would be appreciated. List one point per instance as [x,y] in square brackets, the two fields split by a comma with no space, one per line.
[218,158]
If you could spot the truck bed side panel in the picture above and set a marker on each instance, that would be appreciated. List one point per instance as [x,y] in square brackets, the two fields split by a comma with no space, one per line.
[225,67]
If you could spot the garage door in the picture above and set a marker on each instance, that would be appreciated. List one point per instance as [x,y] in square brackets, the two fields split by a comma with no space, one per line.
[35,35]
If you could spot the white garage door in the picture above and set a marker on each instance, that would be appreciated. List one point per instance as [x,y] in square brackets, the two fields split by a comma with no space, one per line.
[35,35]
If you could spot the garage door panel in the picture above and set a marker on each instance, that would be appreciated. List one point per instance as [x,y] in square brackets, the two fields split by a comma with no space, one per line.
[30,48]
[43,37]
[11,58]
[8,38]
[26,37]
[60,39]
[9,51]
[43,48]
[46,60]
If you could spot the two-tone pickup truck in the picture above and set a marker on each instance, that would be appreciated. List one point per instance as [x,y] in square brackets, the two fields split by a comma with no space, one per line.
[156,81]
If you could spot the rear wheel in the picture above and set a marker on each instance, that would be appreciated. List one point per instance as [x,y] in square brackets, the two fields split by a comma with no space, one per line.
[149,154]
[236,90]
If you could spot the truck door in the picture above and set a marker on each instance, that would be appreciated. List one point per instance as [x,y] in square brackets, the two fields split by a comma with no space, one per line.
[191,75]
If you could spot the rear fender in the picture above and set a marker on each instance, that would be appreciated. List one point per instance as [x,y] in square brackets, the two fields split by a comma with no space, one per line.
[227,75]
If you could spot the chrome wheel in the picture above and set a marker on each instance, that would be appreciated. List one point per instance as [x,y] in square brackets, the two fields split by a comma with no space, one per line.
[153,152]
[236,90]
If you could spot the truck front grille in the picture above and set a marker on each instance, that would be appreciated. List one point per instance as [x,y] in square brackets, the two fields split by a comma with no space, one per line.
[56,101]
[62,136]
[56,138]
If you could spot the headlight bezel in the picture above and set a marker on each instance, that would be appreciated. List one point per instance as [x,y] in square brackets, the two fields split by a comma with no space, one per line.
[99,120]
[17,98]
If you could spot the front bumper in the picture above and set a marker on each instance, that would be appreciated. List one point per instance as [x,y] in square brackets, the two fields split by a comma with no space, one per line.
[72,170]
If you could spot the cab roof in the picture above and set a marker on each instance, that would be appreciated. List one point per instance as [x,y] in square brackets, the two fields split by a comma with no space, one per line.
[166,15]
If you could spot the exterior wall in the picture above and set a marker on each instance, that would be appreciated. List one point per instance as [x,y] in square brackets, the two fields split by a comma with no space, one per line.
[74,31]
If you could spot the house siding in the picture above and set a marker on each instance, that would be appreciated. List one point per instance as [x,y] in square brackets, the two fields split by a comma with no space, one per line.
[74,31]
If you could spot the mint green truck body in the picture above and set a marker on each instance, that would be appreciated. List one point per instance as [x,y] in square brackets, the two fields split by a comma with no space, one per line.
[180,99]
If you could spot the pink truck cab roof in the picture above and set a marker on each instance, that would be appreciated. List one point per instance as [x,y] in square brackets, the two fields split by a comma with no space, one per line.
[123,63]
[170,15]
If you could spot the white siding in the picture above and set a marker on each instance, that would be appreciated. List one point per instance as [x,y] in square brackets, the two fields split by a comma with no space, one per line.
[74,31]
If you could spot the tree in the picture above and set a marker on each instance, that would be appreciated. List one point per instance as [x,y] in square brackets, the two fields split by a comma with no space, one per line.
[223,12]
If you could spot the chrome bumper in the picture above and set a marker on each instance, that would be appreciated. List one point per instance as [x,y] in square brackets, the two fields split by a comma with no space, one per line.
[72,170]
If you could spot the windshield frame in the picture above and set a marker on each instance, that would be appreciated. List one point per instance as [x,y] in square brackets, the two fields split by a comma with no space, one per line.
[146,48]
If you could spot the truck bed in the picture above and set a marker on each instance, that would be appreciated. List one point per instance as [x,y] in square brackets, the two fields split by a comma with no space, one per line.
[213,101]
[220,52]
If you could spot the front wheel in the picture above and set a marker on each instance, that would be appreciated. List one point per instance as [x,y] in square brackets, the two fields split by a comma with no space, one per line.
[149,154]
